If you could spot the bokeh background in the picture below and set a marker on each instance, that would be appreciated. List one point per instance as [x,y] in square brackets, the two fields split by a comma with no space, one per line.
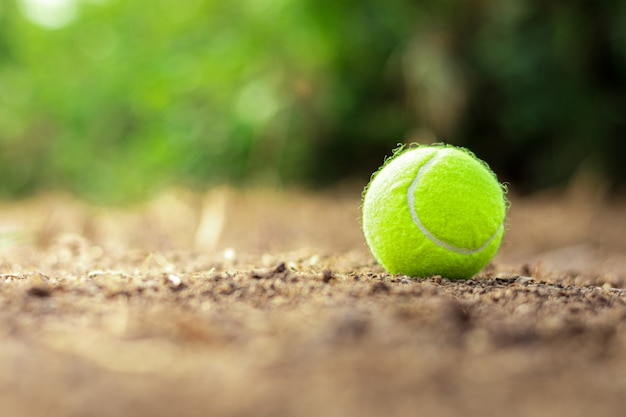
[113,100]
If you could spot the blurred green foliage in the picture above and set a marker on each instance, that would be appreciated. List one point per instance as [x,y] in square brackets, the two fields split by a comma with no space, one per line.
[113,99]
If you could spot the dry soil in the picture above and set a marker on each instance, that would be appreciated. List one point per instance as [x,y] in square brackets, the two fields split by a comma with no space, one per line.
[266,303]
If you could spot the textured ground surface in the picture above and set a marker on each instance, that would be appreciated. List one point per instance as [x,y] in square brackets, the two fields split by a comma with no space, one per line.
[268,304]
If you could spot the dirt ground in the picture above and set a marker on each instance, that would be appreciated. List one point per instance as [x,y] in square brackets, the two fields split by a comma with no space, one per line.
[266,303]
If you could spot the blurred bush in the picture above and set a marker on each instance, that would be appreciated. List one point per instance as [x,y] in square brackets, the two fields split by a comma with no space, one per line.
[113,99]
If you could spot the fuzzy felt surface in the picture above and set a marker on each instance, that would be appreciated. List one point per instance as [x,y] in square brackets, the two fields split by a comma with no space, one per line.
[434,210]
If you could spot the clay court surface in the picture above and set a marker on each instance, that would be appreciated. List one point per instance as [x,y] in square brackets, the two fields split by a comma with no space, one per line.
[264,303]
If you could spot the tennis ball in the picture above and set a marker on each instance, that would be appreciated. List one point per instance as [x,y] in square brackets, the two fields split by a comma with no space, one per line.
[434,210]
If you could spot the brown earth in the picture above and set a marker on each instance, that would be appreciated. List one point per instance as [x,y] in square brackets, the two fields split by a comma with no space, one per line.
[264,303]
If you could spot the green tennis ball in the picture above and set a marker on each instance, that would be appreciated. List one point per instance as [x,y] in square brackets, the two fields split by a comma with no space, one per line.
[434,210]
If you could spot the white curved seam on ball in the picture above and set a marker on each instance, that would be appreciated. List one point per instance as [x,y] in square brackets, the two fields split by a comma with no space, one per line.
[425,231]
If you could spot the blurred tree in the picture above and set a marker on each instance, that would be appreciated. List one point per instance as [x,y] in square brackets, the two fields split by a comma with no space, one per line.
[114,99]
